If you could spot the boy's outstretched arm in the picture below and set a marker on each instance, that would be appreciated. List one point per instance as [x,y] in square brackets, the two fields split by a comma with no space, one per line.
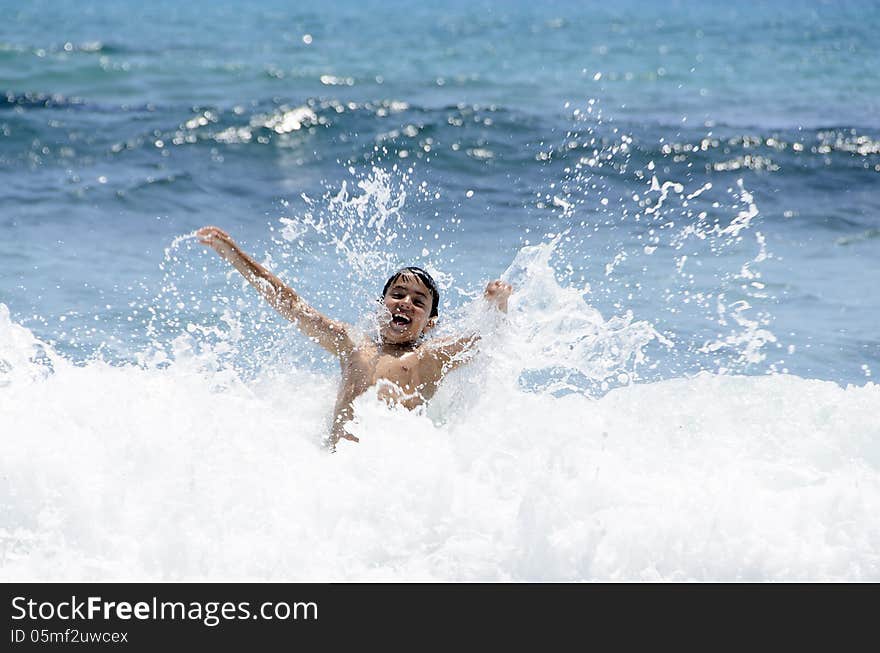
[451,354]
[330,334]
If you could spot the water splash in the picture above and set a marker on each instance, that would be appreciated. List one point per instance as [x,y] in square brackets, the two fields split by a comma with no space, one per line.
[164,473]
[548,457]
[361,226]
[559,338]
[686,240]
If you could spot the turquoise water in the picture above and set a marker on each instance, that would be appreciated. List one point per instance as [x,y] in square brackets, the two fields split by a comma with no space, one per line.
[684,195]
[105,161]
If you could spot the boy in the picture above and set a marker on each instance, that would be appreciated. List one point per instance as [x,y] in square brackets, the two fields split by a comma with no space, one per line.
[407,368]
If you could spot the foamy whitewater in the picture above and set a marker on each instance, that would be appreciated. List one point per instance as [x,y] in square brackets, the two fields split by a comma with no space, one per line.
[184,471]
[683,196]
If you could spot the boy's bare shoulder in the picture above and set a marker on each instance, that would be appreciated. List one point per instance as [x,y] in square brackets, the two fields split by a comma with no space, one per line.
[449,352]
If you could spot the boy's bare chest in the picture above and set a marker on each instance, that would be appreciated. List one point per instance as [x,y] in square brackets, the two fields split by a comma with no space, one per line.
[409,372]
[370,367]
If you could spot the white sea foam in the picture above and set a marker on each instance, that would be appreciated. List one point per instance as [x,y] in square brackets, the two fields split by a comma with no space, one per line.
[183,471]
[548,457]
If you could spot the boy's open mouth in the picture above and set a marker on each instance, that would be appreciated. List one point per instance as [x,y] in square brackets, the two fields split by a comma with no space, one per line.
[400,319]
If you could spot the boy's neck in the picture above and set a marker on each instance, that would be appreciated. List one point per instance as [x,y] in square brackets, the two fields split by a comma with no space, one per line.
[386,347]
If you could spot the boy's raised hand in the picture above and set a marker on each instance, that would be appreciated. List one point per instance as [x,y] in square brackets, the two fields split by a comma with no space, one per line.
[497,293]
[215,237]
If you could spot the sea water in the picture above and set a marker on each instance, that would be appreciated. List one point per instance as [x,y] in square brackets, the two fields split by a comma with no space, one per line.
[684,198]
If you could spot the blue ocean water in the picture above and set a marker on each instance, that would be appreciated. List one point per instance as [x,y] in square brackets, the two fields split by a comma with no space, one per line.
[124,126]
[676,188]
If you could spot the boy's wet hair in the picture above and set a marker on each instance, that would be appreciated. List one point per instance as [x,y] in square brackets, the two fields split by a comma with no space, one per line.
[422,276]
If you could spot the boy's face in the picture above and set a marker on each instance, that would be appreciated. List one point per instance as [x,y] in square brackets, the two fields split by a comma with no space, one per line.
[408,301]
